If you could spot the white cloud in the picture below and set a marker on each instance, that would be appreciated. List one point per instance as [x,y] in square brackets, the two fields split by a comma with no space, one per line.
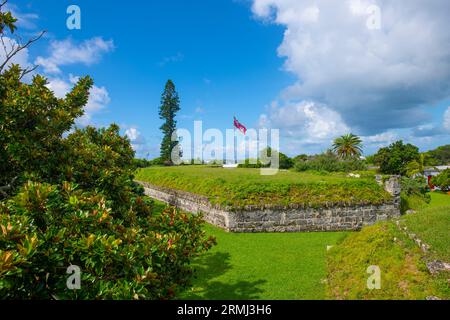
[98,98]
[67,52]
[138,142]
[21,58]
[373,143]
[133,134]
[304,125]
[376,80]
[59,87]
[447,119]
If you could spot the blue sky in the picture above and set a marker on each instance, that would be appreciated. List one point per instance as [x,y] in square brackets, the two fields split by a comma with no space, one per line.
[272,63]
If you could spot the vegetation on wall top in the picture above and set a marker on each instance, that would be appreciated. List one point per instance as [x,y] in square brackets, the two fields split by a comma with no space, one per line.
[241,187]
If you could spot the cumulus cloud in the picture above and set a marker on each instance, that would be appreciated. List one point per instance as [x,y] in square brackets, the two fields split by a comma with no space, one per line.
[21,58]
[447,120]
[67,52]
[372,143]
[429,131]
[139,143]
[434,130]
[98,98]
[307,123]
[376,80]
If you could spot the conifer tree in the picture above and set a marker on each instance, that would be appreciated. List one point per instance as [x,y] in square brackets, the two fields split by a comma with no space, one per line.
[170,105]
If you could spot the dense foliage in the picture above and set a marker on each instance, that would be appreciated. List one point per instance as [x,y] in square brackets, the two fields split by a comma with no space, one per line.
[170,105]
[7,20]
[442,180]
[441,155]
[47,228]
[418,166]
[32,122]
[144,163]
[252,164]
[284,162]
[329,162]
[395,158]
[414,186]
[68,198]
[415,193]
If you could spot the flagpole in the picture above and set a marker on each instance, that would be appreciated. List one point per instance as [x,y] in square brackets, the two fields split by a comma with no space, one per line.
[235,146]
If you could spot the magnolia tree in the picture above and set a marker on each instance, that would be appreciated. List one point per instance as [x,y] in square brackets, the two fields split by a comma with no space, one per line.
[69,204]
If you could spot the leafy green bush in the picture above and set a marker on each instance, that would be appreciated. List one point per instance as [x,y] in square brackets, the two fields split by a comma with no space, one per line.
[251,164]
[144,163]
[415,193]
[284,162]
[71,200]
[442,180]
[47,228]
[395,158]
[32,121]
[415,186]
[101,160]
[329,162]
[441,155]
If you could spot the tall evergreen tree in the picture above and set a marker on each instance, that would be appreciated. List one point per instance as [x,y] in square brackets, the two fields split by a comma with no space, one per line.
[170,105]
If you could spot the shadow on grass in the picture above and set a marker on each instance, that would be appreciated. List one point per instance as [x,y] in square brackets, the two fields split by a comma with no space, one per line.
[213,265]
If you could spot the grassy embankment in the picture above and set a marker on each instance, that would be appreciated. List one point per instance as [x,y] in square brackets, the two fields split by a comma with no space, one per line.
[240,187]
[403,265]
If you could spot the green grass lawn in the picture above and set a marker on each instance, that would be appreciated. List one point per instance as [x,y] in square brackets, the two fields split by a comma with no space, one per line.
[240,187]
[439,199]
[263,266]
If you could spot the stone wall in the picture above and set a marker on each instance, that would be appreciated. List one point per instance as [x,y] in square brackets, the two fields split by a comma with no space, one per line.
[282,219]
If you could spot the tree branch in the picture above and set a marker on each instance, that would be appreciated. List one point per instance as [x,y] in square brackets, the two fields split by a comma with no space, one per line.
[2,4]
[16,49]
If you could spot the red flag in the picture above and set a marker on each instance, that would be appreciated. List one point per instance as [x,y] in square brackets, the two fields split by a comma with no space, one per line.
[240,126]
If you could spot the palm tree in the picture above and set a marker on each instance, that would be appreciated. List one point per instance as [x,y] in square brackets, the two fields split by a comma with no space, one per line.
[417,167]
[348,146]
